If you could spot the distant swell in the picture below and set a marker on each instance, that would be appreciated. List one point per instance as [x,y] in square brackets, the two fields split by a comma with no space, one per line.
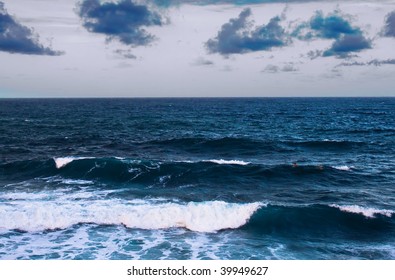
[213,146]
[149,172]
[245,145]
[49,215]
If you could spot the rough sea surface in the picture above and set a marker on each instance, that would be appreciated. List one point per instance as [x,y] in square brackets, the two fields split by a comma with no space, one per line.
[197,178]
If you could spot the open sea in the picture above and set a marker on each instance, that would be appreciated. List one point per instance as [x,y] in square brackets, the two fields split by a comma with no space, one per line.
[269,178]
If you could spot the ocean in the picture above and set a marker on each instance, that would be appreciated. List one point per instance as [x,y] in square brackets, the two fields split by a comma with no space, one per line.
[235,178]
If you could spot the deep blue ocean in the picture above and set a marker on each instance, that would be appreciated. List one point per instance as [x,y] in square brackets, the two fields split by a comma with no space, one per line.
[269,178]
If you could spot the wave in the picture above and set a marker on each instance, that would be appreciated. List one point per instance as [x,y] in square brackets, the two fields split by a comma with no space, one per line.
[85,170]
[208,216]
[229,145]
[152,172]
[249,146]
[63,161]
[325,144]
[322,220]
[222,161]
[65,207]
[71,181]
[365,211]
[343,167]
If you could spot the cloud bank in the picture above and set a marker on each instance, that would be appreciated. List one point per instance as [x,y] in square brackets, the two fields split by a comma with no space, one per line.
[123,20]
[17,38]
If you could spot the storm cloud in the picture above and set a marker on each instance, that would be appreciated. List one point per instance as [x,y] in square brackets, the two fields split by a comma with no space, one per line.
[123,20]
[238,36]
[17,38]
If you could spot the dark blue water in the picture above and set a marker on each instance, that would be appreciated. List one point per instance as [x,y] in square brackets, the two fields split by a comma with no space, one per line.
[197,178]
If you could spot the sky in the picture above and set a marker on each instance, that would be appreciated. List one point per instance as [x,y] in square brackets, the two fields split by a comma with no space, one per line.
[196,48]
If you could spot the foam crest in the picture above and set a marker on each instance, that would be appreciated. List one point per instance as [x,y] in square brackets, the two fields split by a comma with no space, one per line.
[63,161]
[201,217]
[366,211]
[343,167]
[222,161]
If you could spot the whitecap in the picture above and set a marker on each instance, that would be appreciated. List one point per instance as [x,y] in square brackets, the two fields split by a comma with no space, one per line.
[63,161]
[232,162]
[366,211]
[343,167]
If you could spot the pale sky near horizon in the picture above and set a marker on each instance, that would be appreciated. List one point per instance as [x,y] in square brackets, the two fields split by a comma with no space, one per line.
[170,48]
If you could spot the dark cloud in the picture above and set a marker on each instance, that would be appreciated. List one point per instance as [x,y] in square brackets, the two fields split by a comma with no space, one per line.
[122,20]
[346,44]
[389,28]
[335,26]
[330,27]
[17,38]
[238,36]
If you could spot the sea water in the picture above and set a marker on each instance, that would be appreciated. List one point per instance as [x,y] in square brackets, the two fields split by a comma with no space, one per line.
[269,178]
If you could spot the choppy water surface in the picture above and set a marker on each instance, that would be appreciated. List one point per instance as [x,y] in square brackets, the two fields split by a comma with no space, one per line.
[197,178]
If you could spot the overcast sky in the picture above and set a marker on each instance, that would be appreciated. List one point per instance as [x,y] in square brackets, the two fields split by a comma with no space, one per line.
[176,48]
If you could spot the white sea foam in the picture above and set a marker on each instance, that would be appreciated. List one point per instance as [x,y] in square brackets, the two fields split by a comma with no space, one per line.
[366,211]
[59,214]
[58,179]
[59,195]
[22,196]
[63,161]
[222,161]
[343,167]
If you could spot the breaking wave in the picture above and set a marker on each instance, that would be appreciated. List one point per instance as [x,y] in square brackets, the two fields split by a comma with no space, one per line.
[50,215]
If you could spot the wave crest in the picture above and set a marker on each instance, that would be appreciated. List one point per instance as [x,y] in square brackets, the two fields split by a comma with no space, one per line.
[63,161]
[208,216]
[231,162]
[366,211]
